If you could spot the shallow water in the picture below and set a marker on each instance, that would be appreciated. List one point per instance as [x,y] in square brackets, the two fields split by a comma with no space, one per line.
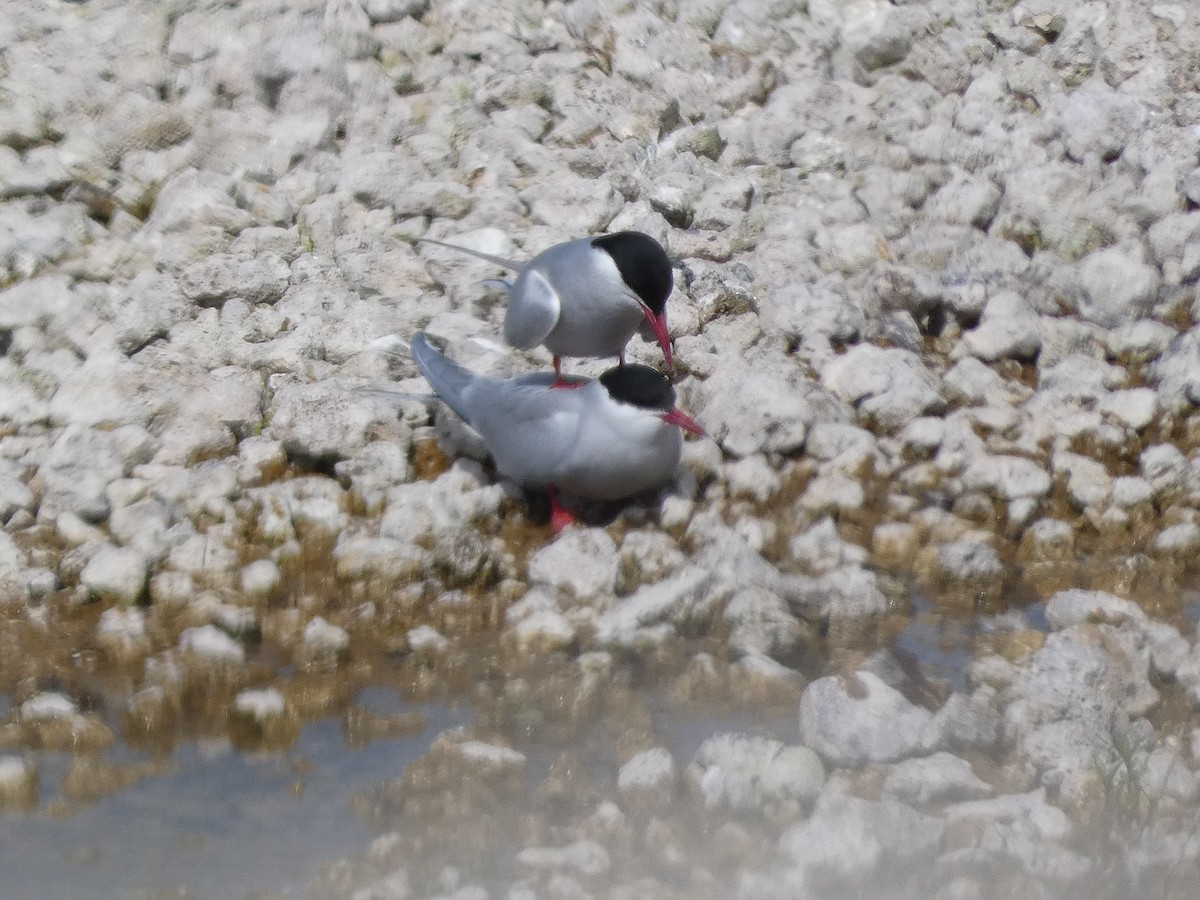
[220,823]
[941,644]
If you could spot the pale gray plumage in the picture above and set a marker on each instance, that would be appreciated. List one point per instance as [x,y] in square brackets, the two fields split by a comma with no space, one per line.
[582,441]
[587,297]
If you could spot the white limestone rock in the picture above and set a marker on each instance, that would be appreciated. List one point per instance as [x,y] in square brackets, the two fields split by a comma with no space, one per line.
[260,579]
[820,549]
[648,777]
[260,704]
[1008,477]
[741,772]
[321,638]
[1098,120]
[760,622]
[761,404]
[968,722]
[116,573]
[849,839]
[373,469]
[544,630]
[325,419]
[652,613]
[1075,606]
[210,646]
[856,719]
[1069,709]
[1135,408]
[889,387]
[582,561]
[1118,287]
[940,778]
[426,639]
[489,758]
[48,706]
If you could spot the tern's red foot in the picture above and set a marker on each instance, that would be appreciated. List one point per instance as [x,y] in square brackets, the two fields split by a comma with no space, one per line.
[559,381]
[560,517]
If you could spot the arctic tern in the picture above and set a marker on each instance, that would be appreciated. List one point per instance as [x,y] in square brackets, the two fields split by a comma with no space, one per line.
[613,437]
[587,297]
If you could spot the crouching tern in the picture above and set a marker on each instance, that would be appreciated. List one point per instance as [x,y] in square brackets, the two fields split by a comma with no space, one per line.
[587,297]
[613,437]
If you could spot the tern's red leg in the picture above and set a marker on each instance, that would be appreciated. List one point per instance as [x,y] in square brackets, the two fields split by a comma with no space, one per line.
[560,517]
[558,379]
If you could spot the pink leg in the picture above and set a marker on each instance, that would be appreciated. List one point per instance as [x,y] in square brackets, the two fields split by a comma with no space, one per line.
[560,517]
[558,379]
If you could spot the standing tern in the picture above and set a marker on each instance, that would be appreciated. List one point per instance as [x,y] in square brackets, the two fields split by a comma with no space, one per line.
[613,437]
[587,297]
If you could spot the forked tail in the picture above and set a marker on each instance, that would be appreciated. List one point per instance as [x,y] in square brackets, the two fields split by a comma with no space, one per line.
[448,379]
[486,257]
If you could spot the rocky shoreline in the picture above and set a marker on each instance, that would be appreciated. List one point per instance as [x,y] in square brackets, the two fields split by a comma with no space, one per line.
[936,305]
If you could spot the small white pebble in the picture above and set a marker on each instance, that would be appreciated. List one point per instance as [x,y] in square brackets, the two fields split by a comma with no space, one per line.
[322,637]
[260,703]
[46,706]
[260,578]
[426,637]
[211,644]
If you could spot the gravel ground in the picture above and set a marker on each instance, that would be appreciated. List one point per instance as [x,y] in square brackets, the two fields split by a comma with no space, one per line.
[936,304]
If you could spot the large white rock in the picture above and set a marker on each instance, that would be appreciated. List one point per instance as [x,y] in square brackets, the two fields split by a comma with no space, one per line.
[747,773]
[48,706]
[652,612]
[325,419]
[858,718]
[847,839]
[762,404]
[1075,606]
[116,573]
[212,646]
[1009,477]
[1097,120]
[1118,287]
[939,778]
[648,776]
[582,561]
[890,387]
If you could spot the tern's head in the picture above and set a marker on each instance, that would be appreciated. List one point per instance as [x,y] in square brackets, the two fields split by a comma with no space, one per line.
[646,271]
[648,390]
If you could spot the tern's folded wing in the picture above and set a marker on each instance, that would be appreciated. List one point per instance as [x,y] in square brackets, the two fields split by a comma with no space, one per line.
[530,428]
[533,310]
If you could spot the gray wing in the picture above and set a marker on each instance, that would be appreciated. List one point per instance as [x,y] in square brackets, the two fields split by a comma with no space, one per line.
[530,428]
[486,257]
[533,310]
